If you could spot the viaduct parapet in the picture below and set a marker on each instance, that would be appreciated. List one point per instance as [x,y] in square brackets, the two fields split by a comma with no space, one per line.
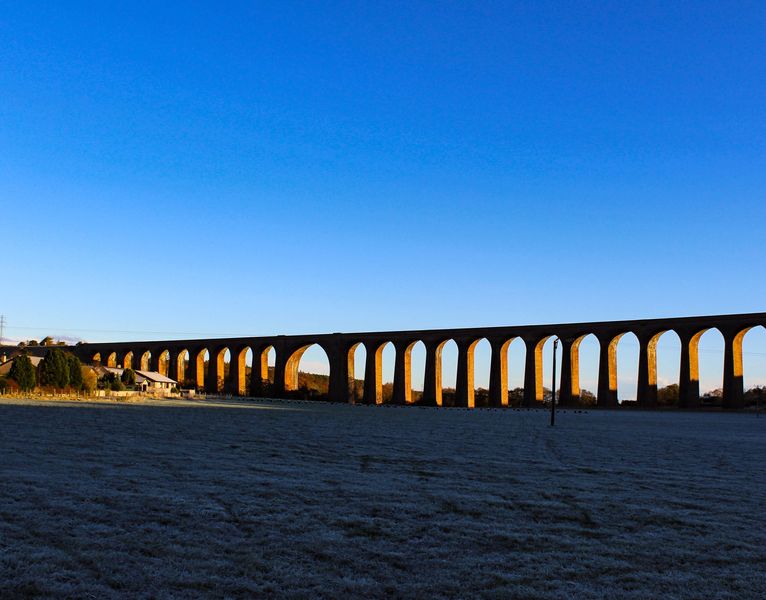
[184,360]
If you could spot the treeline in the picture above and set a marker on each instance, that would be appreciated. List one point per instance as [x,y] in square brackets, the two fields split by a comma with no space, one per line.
[58,371]
[669,396]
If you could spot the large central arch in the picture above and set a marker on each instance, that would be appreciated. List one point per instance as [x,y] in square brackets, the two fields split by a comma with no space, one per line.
[310,383]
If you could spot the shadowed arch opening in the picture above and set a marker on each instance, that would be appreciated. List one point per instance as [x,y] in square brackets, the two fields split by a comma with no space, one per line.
[201,361]
[516,355]
[125,360]
[143,360]
[307,372]
[271,364]
[109,359]
[754,365]
[627,367]
[163,363]
[240,372]
[182,367]
[356,359]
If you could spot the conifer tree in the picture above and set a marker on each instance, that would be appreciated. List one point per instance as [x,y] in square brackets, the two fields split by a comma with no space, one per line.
[23,372]
[75,371]
[128,377]
[54,369]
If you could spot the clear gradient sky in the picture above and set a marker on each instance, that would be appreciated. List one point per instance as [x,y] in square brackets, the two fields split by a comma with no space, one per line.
[180,169]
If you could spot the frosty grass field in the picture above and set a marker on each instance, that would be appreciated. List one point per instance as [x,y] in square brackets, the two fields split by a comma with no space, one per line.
[269,498]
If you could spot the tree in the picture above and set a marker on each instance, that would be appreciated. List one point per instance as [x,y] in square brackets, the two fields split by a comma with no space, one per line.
[75,371]
[516,396]
[668,395]
[23,372]
[756,395]
[587,398]
[89,379]
[110,381]
[54,369]
[128,377]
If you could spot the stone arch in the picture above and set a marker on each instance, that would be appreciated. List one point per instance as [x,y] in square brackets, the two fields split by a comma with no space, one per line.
[374,373]
[218,367]
[607,394]
[753,350]
[402,383]
[238,380]
[664,358]
[182,366]
[583,352]
[356,358]
[163,362]
[498,372]
[627,350]
[734,395]
[533,369]
[200,357]
[143,360]
[515,352]
[547,366]
[109,358]
[262,374]
[413,361]
[387,370]
[447,374]
[293,373]
[125,359]
[465,381]
[480,361]
[709,349]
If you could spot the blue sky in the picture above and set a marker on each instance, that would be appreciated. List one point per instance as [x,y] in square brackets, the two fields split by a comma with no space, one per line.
[259,168]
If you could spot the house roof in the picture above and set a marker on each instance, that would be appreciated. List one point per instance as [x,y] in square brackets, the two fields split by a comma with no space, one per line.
[154,376]
[5,367]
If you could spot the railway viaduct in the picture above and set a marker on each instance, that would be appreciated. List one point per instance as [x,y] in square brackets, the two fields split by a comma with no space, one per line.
[184,360]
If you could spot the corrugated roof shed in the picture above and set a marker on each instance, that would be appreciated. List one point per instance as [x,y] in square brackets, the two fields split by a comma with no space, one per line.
[154,376]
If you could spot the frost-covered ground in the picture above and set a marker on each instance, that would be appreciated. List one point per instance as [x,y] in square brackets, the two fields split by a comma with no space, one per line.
[260,499]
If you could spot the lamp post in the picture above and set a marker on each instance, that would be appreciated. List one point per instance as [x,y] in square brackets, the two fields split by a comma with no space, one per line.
[553,384]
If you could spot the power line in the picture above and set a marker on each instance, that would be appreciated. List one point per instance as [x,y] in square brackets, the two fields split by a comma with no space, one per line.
[88,330]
